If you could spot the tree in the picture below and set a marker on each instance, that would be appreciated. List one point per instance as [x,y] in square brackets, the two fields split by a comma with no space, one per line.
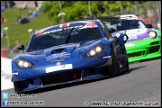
[75,10]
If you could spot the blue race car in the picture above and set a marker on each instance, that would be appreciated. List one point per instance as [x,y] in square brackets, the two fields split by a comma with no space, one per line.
[69,52]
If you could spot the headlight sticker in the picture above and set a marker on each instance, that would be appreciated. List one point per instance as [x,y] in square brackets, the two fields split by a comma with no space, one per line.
[15,73]
[106,57]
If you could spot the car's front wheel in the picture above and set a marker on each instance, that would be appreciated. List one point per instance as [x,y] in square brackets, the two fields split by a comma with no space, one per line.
[114,67]
[127,61]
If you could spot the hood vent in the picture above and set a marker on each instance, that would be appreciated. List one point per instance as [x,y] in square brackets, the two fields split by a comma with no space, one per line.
[57,50]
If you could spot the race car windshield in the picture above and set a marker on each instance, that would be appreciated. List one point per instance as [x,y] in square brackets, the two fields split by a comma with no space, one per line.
[63,36]
[125,25]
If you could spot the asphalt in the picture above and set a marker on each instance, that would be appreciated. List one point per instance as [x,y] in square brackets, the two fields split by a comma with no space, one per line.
[140,87]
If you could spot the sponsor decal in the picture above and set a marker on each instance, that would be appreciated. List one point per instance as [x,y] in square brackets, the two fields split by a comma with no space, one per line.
[129,44]
[131,17]
[59,67]
[16,73]
[136,31]
[39,32]
[52,31]
[64,54]
[90,25]
[64,25]
[59,60]
[106,57]
[132,37]
[57,30]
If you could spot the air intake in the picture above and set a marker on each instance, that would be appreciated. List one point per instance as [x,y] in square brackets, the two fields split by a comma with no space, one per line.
[57,50]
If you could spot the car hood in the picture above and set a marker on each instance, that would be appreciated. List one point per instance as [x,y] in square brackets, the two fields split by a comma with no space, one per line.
[136,34]
[61,52]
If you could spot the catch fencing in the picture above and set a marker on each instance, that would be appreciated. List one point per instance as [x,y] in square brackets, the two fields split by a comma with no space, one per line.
[149,12]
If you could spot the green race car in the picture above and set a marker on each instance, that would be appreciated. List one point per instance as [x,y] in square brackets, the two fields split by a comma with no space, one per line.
[144,42]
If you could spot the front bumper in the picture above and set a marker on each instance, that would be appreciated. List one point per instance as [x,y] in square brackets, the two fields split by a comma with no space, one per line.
[88,69]
[144,49]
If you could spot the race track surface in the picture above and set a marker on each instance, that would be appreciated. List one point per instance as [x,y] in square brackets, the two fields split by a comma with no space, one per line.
[140,87]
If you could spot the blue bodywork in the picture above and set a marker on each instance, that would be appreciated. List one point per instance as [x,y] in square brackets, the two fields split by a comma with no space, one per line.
[73,55]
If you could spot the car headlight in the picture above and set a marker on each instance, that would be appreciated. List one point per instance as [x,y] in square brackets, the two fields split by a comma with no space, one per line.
[95,51]
[24,63]
[152,34]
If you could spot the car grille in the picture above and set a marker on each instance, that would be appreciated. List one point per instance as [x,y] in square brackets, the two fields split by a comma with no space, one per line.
[136,54]
[154,43]
[154,49]
[60,77]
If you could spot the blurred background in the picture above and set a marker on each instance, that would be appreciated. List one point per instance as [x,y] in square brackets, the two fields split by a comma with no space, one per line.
[20,18]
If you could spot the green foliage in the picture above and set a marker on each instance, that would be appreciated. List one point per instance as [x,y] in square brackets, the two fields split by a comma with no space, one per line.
[79,9]
[126,4]
[73,10]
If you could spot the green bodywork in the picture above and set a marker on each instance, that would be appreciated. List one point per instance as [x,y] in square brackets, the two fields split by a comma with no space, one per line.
[144,49]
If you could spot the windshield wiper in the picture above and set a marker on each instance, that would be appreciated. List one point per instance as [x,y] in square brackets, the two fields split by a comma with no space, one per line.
[68,36]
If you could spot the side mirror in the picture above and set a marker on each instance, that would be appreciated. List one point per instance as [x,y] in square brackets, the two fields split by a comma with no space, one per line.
[21,47]
[149,25]
[111,30]
[125,38]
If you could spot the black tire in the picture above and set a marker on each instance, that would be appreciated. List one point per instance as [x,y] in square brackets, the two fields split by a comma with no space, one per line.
[127,68]
[114,67]
[15,88]
[127,61]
